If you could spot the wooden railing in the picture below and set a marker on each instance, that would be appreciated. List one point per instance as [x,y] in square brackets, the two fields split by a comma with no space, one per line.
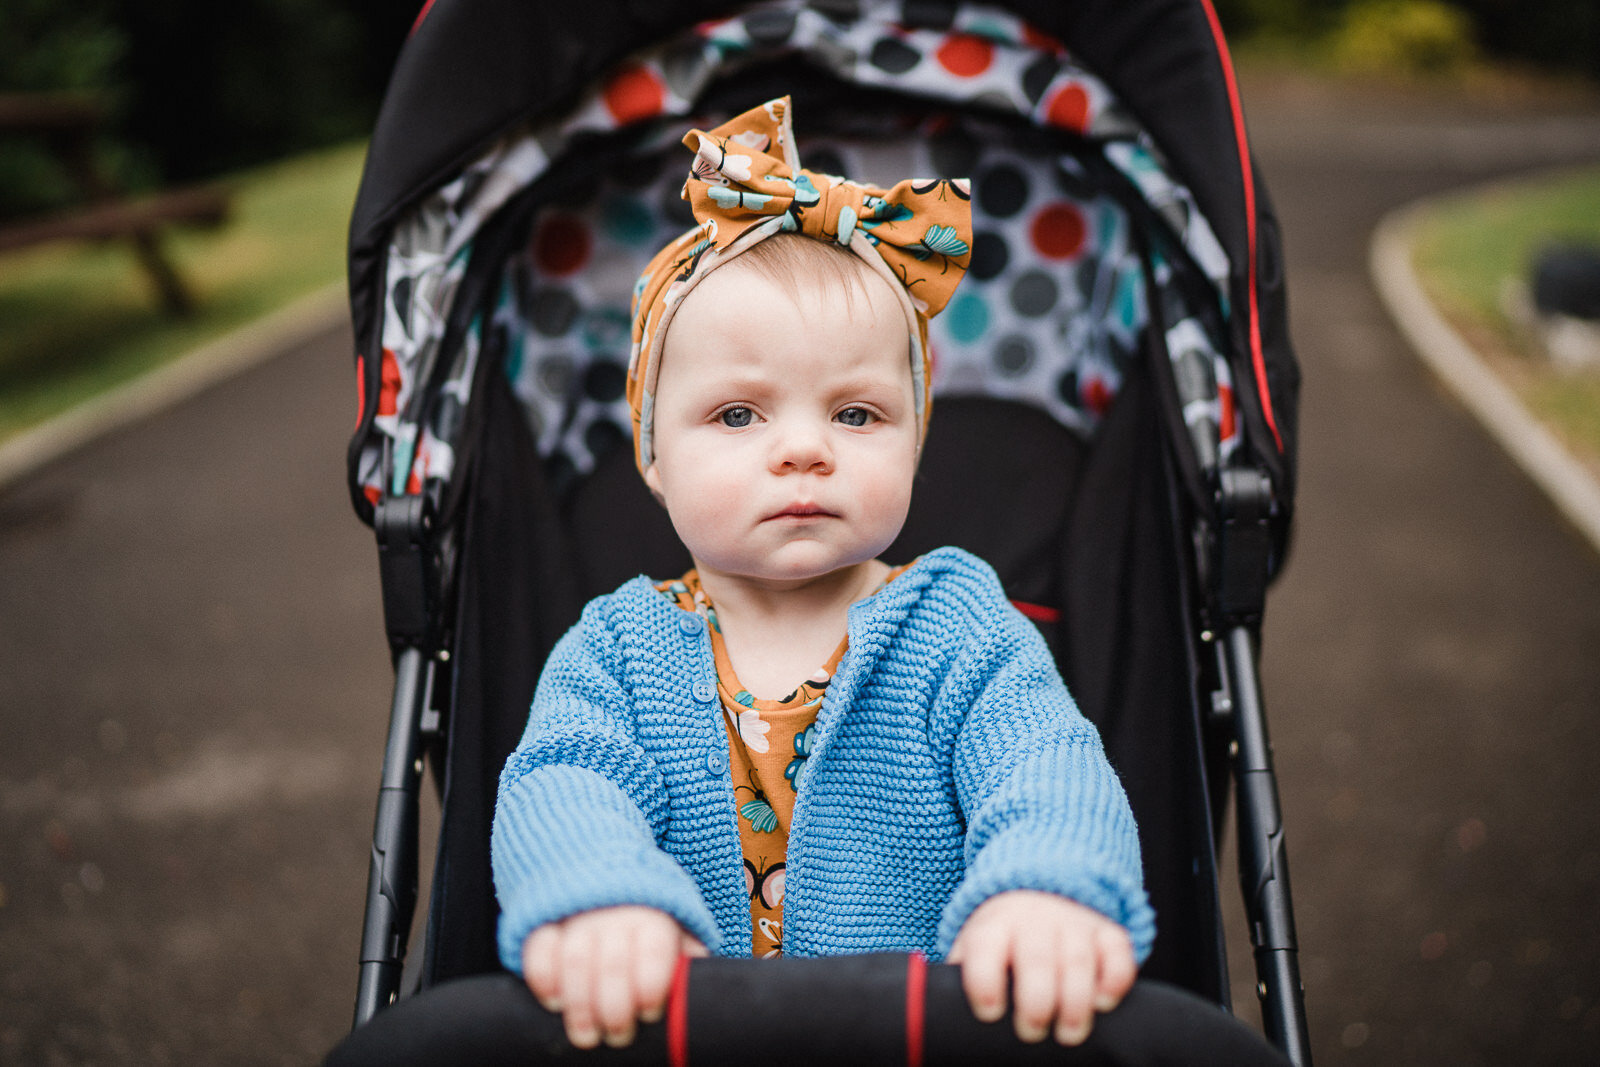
[67,124]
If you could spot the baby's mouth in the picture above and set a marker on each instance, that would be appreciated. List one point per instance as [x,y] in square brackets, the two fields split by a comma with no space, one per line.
[802,511]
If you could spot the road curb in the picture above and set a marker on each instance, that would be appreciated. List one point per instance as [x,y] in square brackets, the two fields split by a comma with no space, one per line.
[166,385]
[1533,448]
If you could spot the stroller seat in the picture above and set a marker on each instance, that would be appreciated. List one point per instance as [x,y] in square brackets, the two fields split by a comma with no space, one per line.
[1086,412]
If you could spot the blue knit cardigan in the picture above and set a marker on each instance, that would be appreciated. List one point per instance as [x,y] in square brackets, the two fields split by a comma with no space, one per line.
[948,764]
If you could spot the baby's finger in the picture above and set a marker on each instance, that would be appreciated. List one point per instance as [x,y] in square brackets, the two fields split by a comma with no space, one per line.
[1117,969]
[539,954]
[1035,987]
[983,973]
[613,983]
[655,957]
[1075,1008]
[577,985]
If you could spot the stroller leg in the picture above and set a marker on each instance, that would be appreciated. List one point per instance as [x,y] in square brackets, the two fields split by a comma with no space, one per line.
[392,876]
[1263,861]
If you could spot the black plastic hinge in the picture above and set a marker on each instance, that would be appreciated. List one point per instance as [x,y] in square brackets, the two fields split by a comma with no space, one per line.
[407,570]
[1244,545]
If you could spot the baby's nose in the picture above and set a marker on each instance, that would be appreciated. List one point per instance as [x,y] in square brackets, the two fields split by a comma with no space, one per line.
[802,446]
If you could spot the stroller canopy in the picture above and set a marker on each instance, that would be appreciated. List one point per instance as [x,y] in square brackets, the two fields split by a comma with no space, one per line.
[475,73]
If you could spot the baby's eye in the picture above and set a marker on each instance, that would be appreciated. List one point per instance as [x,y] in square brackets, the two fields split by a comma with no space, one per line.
[854,416]
[737,417]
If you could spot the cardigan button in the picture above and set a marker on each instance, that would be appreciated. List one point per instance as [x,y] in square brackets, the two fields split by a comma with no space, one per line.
[715,762]
[704,691]
[690,625]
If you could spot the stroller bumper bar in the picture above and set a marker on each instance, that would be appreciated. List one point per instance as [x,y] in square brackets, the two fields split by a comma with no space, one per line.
[875,1009]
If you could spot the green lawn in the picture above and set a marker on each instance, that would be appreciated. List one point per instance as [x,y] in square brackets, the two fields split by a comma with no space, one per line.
[77,319]
[1467,251]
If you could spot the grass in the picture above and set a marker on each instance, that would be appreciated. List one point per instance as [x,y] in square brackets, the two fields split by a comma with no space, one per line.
[78,319]
[1467,251]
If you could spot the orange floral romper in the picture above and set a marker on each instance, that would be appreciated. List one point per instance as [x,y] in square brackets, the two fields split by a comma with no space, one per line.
[768,742]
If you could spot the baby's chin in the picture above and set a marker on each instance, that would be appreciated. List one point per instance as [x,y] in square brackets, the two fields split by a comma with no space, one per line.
[793,567]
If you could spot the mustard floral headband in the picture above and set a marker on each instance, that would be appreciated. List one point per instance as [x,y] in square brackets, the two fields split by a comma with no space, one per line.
[745,185]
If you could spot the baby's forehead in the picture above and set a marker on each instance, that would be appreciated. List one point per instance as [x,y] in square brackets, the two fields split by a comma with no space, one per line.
[737,311]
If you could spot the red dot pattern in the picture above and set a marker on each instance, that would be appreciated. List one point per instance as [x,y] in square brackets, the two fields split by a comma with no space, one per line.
[634,93]
[562,245]
[965,55]
[1097,395]
[1058,231]
[1069,108]
[388,383]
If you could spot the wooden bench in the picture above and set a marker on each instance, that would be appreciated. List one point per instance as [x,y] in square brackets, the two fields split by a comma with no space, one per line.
[67,123]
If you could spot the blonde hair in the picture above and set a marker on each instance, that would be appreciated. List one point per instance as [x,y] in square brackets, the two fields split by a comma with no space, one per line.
[793,261]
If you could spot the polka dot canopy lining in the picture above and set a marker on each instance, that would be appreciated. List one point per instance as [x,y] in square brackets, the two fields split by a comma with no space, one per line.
[1051,314]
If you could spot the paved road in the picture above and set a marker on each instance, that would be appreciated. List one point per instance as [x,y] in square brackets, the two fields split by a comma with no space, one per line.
[192,700]
[192,686]
[1433,654]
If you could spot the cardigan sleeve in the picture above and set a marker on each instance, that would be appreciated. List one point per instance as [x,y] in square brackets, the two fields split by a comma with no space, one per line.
[581,807]
[1044,808]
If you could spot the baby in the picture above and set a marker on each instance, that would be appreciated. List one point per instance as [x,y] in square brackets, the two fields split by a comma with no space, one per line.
[796,748]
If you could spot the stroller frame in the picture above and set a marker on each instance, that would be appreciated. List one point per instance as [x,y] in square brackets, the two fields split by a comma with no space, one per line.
[1238,547]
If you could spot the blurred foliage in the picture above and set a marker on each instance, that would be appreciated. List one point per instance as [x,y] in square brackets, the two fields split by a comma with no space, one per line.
[195,88]
[1476,248]
[76,319]
[1276,20]
[47,46]
[1403,36]
[1558,35]
[218,86]
[1562,34]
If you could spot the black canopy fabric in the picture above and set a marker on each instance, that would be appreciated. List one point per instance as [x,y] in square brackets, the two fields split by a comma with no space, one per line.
[474,68]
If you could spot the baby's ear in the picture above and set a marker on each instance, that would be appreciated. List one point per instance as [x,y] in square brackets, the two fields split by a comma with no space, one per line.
[653,481]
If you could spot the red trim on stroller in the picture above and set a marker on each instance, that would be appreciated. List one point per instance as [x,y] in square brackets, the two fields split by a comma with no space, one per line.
[1037,612]
[361,388]
[916,1005]
[426,7]
[678,1016]
[1248,175]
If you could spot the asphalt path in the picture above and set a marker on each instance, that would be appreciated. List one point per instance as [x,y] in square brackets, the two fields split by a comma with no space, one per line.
[193,683]
[1431,660]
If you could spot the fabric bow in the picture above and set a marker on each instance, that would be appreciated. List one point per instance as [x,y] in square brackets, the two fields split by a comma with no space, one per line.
[921,228]
[745,185]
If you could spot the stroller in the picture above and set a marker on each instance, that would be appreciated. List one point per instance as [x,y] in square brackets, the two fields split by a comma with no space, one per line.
[1114,430]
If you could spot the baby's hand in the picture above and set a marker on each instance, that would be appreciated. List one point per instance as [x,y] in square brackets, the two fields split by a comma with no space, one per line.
[606,970]
[1066,961]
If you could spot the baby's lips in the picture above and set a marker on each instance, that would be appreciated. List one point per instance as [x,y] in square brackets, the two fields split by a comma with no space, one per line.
[803,511]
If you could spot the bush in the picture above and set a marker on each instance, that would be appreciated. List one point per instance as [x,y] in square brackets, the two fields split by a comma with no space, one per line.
[46,47]
[1409,37]
[1274,20]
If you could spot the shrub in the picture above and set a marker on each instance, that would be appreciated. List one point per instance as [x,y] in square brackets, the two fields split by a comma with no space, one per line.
[1408,37]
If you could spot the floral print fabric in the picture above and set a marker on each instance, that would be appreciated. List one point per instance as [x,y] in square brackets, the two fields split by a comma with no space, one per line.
[768,744]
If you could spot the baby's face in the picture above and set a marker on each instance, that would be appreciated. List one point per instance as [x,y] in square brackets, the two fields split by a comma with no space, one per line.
[785,426]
